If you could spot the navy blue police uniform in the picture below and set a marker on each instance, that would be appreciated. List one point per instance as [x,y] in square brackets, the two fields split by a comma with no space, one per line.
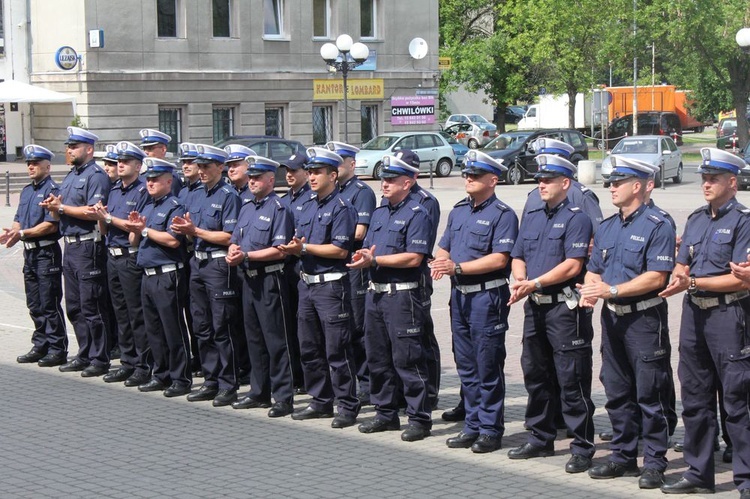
[150,137]
[42,267]
[479,306]
[714,336]
[164,291]
[635,341]
[124,275]
[213,284]
[265,223]
[556,351]
[395,315]
[324,314]
[84,261]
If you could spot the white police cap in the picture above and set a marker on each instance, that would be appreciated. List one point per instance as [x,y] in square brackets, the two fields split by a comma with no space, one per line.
[150,137]
[237,152]
[320,157]
[546,145]
[33,152]
[188,150]
[258,165]
[156,167]
[716,161]
[623,168]
[551,165]
[342,149]
[402,163]
[479,162]
[210,154]
[78,135]
[128,150]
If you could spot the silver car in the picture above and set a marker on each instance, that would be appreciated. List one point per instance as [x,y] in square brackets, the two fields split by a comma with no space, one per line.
[656,150]
[472,135]
[433,151]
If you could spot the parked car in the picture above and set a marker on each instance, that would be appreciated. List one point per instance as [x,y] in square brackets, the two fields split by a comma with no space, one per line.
[649,123]
[743,179]
[472,135]
[274,148]
[655,150]
[726,128]
[513,149]
[513,114]
[454,119]
[434,152]
[459,149]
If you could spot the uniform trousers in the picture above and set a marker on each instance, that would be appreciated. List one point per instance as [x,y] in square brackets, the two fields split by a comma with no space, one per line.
[323,327]
[214,303]
[42,278]
[85,299]
[124,279]
[358,281]
[394,339]
[636,378]
[291,276]
[432,348]
[715,349]
[557,352]
[163,298]
[479,322]
[265,304]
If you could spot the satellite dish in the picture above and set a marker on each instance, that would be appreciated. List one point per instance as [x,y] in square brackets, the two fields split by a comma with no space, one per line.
[418,48]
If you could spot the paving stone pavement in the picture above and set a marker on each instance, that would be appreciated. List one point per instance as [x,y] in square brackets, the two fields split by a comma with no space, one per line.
[65,436]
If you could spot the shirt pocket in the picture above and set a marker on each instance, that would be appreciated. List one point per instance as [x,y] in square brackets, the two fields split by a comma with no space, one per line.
[530,243]
[555,242]
[720,251]
[212,219]
[259,232]
[632,256]
[320,231]
[480,238]
[396,237]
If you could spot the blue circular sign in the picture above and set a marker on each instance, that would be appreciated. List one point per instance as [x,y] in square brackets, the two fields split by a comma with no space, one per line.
[66,58]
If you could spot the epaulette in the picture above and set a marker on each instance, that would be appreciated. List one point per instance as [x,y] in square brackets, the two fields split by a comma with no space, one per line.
[463,202]
[574,209]
[742,209]
[341,202]
[116,185]
[698,211]
[278,203]
[654,219]
[141,188]
[423,193]
[228,189]
[502,207]
[361,184]
[175,201]
[611,216]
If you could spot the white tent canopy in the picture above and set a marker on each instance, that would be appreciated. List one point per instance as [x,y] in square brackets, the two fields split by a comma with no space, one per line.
[15,91]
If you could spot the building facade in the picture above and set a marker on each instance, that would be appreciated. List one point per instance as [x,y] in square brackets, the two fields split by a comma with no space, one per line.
[202,70]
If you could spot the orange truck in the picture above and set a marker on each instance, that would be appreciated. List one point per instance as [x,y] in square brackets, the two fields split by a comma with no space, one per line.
[654,98]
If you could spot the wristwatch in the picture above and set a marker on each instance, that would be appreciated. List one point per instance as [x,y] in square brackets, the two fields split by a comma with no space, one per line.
[457,269]
[613,291]
[693,288]
[144,233]
[61,210]
[108,219]
[537,284]
[21,235]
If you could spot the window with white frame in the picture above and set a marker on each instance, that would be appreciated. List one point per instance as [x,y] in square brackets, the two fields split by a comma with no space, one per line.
[222,15]
[369,128]
[170,122]
[223,121]
[275,121]
[273,18]
[322,121]
[321,18]
[368,18]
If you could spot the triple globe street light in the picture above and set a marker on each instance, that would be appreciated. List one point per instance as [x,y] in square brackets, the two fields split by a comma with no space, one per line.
[344,56]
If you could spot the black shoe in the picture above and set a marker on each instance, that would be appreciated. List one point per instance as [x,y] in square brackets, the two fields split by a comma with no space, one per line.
[280,409]
[728,454]
[29,358]
[377,425]
[651,479]
[53,359]
[614,470]
[684,486]
[176,390]
[343,421]
[678,446]
[455,414]
[114,353]
[310,413]
[487,443]
[203,394]
[137,379]
[528,451]
[198,373]
[413,432]
[121,374]
[247,402]
[225,397]
[93,371]
[577,464]
[462,440]
[154,385]
[606,436]
[74,365]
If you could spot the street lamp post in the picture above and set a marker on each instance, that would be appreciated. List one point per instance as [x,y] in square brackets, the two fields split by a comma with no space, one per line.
[343,57]
[653,71]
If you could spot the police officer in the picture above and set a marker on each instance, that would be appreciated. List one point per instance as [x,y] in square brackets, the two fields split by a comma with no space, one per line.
[362,197]
[475,253]
[323,241]
[264,224]
[296,198]
[213,284]
[155,144]
[42,261]
[164,284]
[548,261]
[83,265]
[394,250]
[632,255]
[193,184]
[237,169]
[108,163]
[714,339]
[123,273]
